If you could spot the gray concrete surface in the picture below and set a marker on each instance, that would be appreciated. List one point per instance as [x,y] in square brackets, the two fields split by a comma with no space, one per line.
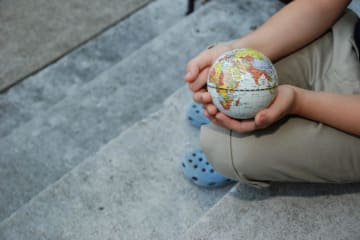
[355,6]
[42,90]
[133,188]
[41,151]
[34,33]
[284,211]
[119,193]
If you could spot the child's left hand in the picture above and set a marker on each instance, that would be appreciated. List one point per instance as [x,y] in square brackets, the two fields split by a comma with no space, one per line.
[283,104]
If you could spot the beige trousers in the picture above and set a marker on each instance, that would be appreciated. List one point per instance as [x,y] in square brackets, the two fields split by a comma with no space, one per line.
[296,149]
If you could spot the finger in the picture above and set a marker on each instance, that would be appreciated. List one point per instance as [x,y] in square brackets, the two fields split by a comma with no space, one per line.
[209,115]
[211,118]
[200,81]
[202,97]
[274,112]
[206,97]
[211,109]
[216,122]
[241,126]
[197,64]
[198,96]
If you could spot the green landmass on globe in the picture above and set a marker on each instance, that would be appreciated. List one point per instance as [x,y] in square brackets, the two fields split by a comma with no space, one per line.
[241,82]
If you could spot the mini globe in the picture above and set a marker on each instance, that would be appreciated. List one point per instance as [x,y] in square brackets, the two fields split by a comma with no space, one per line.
[242,82]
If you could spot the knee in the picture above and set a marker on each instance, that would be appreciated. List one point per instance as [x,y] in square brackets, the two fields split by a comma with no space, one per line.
[243,168]
[254,164]
[249,165]
[215,145]
[242,160]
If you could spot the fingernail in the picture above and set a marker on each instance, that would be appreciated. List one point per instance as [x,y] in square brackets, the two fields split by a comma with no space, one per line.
[188,74]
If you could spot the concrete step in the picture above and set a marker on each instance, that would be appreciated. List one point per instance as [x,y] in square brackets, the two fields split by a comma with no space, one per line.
[355,6]
[283,211]
[39,92]
[133,188]
[34,32]
[44,149]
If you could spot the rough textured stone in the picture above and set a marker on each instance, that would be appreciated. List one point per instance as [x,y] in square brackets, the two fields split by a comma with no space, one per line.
[41,151]
[355,6]
[39,92]
[36,32]
[283,211]
[133,188]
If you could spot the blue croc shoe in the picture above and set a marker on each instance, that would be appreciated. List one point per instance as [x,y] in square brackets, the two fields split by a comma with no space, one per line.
[199,171]
[195,115]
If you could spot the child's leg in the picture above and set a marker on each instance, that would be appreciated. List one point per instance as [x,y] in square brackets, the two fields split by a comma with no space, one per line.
[297,149]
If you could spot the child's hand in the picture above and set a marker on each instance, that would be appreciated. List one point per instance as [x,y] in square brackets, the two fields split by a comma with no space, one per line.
[198,68]
[283,104]
[197,74]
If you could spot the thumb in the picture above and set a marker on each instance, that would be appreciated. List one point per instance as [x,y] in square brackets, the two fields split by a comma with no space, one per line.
[197,64]
[262,119]
[274,112]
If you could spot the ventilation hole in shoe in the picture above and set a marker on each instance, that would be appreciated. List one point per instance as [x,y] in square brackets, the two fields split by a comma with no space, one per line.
[194,154]
[207,163]
[204,170]
[183,164]
[200,159]
[211,183]
[228,180]
[197,111]
[195,166]
[194,106]
[190,118]
[189,160]
[212,170]
[194,178]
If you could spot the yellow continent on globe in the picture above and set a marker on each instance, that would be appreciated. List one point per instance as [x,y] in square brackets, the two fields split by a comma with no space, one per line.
[249,52]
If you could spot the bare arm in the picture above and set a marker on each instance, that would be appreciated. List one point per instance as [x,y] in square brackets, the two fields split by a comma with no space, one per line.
[339,111]
[293,27]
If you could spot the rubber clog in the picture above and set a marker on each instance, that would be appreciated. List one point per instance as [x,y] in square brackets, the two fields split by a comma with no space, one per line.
[199,171]
[195,114]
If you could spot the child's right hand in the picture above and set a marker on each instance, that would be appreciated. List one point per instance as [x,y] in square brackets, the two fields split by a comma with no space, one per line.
[197,74]
[198,68]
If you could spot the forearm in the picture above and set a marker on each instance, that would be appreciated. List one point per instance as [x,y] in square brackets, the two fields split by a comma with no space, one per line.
[293,27]
[336,110]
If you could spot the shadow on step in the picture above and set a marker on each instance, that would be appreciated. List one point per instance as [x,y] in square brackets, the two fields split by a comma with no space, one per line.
[246,192]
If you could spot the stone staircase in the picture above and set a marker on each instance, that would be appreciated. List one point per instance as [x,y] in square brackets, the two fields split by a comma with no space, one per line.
[91,146]
[58,120]
[63,106]
[132,188]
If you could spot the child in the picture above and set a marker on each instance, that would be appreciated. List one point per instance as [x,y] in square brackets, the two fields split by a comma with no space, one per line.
[310,133]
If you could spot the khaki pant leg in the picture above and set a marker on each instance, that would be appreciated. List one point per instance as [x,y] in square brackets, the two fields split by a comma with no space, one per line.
[297,149]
